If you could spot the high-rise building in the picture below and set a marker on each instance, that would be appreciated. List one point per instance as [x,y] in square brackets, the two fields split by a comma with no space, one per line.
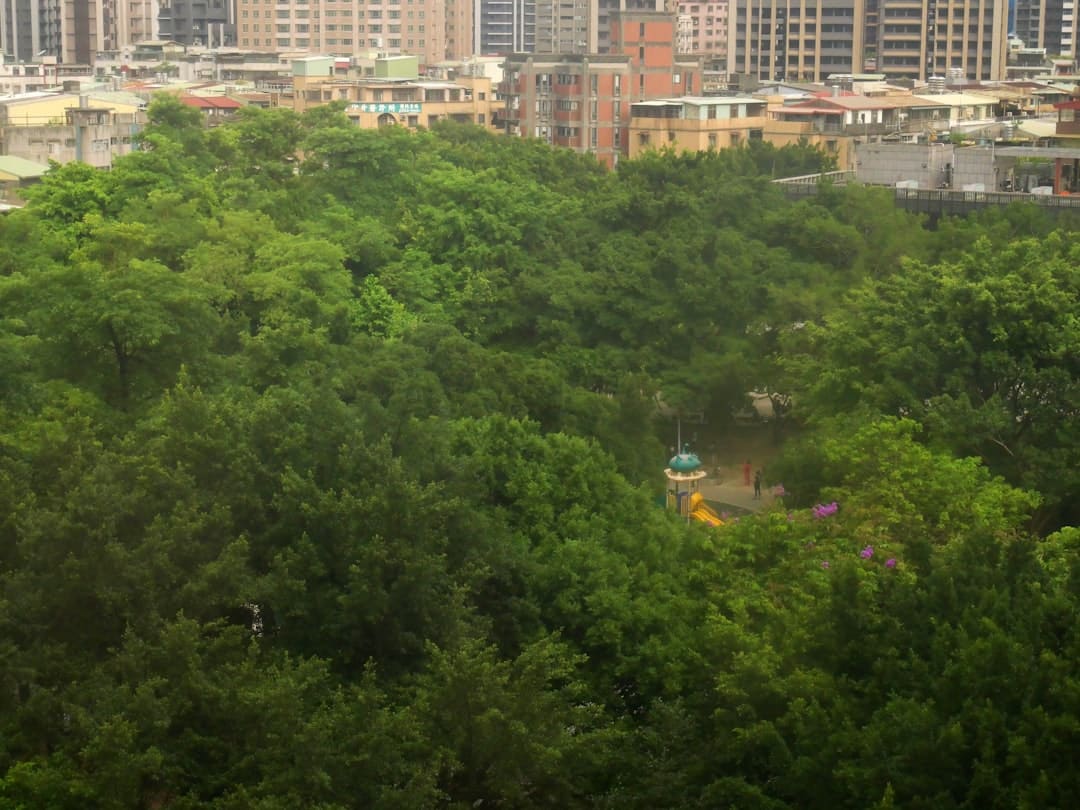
[810,40]
[210,23]
[504,26]
[1049,24]
[136,21]
[582,101]
[433,30]
[459,29]
[582,26]
[71,30]
[88,26]
[29,28]
[707,25]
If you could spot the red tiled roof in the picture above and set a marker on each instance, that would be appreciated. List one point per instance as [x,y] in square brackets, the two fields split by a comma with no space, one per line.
[211,102]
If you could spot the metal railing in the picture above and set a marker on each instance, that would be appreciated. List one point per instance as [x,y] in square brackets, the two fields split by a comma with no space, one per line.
[948,201]
[837,178]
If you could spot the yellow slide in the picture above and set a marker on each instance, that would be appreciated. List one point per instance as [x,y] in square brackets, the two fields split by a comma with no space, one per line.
[699,510]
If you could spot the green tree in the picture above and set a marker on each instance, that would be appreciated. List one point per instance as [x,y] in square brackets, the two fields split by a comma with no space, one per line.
[978,350]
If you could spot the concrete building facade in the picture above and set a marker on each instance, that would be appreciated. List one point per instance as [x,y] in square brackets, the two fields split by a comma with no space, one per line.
[73,31]
[502,27]
[210,23]
[707,26]
[434,30]
[395,96]
[704,124]
[809,40]
[136,21]
[1048,24]
[45,126]
[582,101]
[459,29]
[582,26]
[31,28]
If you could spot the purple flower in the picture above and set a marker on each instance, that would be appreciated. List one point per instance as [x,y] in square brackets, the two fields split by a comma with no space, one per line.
[823,510]
[867,552]
[825,564]
[890,563]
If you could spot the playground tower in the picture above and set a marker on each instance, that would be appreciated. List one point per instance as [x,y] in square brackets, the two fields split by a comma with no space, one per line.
[683,474]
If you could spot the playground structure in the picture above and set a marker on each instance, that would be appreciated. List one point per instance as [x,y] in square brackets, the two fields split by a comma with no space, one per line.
[699,510]
[684,475]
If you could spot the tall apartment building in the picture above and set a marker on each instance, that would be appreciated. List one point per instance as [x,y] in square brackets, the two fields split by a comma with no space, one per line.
[1049,24]
[809,40]
[136,21]
[71,30]
[707,28]
[210,23]
[89,26]
[582,26]
[504,26]
[434,30]
[459,29]
[31,27]
[582,101]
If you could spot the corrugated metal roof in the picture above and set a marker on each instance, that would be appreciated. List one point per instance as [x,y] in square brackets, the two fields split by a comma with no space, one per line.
[21,168]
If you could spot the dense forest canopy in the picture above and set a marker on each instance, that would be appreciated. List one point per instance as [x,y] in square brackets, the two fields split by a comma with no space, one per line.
[328,461]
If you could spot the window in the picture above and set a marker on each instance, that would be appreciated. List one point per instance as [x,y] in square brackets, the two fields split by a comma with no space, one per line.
[643,138]
[712,140]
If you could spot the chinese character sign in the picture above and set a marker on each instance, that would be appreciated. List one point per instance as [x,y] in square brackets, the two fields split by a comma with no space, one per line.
[386,107]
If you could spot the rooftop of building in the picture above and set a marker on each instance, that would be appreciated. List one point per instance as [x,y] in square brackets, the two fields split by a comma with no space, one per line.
[34,95]
[954,99]
[21,168]
[211,102]
[700,101]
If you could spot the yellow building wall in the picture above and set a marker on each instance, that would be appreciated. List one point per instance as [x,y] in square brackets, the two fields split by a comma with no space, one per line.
[372,105]
[689,135]
[45,111]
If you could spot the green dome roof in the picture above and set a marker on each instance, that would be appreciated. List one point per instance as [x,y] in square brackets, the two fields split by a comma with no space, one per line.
[685,461]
